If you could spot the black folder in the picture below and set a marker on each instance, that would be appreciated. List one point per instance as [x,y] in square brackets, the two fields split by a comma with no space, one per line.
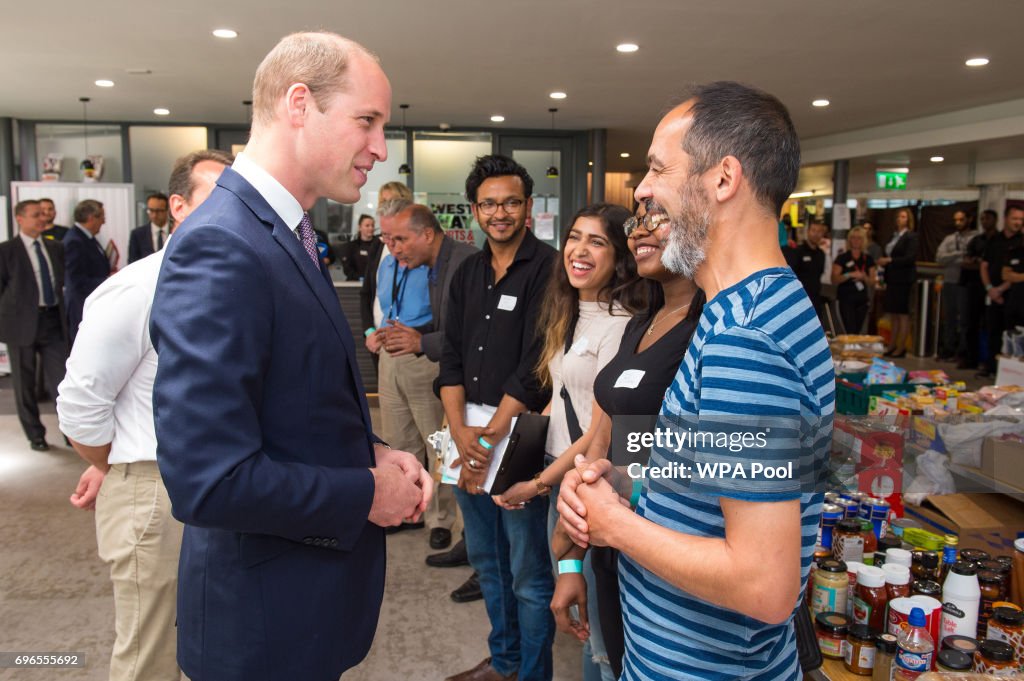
[524,454]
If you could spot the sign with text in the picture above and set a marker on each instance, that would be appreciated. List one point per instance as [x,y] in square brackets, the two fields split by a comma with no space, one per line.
[455,214]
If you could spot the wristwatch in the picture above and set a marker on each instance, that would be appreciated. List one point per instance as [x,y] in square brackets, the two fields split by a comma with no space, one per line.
[542,489]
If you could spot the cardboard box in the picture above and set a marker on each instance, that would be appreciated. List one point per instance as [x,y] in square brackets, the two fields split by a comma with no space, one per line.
[1003,460]
[990,522]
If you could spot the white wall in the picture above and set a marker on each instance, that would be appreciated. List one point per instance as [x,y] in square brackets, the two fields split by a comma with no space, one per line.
[68,140]
[441,166]
[154,149]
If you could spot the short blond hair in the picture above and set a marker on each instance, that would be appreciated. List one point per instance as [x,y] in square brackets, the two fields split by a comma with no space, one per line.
[317,59]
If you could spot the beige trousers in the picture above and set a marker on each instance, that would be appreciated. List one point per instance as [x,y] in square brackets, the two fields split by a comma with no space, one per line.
[140,541]
[409,412]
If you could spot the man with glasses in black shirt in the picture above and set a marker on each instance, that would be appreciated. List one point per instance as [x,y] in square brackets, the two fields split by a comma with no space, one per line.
[487,374]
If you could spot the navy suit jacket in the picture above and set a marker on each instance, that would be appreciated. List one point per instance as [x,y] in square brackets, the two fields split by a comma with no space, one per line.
[264,444]
[85,267]
[140,243]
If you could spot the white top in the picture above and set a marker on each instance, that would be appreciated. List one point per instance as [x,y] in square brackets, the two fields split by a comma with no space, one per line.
[36,270]
[280,199]
[595,343]
[107,393]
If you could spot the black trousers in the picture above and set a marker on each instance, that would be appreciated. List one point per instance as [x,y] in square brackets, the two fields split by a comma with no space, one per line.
[853,312]
[975,320]
[52,348]
[995,315]
[605,563]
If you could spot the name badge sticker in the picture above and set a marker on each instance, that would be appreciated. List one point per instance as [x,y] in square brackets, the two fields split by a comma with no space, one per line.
[807,258]
[507,303]
[859,285]
[580,346]
[630,378]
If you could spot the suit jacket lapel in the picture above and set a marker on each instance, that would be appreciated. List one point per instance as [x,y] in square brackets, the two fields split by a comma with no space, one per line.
[25,263]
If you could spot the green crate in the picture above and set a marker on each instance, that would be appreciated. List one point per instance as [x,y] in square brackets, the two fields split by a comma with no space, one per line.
[853,397]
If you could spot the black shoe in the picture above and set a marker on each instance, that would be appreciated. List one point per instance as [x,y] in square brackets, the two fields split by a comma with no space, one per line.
[404,526]
[440,538]
[468,592]
[40,445]
[455,557]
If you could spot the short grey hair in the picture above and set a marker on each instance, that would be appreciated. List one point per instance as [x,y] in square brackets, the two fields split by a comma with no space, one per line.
[391,207]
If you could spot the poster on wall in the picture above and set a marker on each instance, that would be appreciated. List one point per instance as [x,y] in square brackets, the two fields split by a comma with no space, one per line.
[455,214]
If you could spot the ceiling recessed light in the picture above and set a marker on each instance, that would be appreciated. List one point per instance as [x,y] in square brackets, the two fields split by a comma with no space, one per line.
[162,112]
[105,83]
[820,102]
[225,33]
[497,119]
[558,95]
[977,61]
[627,47]
[937,159]
[624,154]
[590,163]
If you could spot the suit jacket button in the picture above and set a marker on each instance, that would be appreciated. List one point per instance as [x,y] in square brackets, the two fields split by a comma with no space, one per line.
[307,541]
[334,543]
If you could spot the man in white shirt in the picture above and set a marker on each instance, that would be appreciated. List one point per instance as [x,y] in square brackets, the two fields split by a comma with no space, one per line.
[106,409]
[32,314]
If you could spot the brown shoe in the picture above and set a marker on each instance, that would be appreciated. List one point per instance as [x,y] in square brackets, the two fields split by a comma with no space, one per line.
[482,672]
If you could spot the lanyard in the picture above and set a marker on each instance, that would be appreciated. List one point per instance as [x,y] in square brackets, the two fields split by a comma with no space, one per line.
[397,291]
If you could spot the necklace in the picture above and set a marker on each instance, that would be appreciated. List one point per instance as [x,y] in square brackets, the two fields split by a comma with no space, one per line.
[657,317]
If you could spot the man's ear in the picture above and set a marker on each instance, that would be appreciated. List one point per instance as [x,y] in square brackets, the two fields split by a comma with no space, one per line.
[179,209]
[727,178]
[298,101]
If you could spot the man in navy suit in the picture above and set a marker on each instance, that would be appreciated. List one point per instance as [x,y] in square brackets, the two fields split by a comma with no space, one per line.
[150,237]
[85,262]
[263,433]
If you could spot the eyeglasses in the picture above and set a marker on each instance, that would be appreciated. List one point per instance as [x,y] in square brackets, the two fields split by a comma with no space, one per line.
[649,223]
[489,207]
[156,210]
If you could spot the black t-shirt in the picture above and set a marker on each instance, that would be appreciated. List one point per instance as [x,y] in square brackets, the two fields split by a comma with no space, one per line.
[975,249]
[849,289]
[808,263]
[996,251]
[1015,261]
[642,379]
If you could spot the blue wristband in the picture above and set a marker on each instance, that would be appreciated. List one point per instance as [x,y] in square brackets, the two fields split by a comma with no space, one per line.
[569,566]
[634,498]
[484,443]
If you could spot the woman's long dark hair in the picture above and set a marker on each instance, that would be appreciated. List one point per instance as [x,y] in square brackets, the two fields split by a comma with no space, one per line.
[561,300]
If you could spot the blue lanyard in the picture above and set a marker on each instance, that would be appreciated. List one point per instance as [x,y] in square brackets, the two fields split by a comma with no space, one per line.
[397,291]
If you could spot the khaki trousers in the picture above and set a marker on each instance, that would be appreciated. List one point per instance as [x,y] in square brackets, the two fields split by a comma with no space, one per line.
[409,412]
[140,541]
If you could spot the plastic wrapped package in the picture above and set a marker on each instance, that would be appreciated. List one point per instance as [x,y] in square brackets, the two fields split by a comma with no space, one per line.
[963,440]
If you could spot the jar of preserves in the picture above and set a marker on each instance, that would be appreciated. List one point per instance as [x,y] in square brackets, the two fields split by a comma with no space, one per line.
[847,541]
[926,565]
[994,658]
[974,555]
[1001,571]
[831,629]
[989,583]
[953,661]
[859,654]
[870,598]
[830,587]
[1007,625]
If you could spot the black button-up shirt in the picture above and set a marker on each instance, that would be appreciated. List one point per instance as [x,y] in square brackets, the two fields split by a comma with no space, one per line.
[491,343]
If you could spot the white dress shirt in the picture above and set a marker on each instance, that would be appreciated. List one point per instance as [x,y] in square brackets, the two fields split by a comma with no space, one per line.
[154,235]
[280,199]
[36,269]
[107,392]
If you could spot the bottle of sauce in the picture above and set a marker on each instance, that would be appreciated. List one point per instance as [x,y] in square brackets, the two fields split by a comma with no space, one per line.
[885,653]
[859,654]
[897,581]
[949,553]
[899,556]
[961,600]
[870,598]
[867,531]
[847,541]
[831,583]
[926,565]
[914,649]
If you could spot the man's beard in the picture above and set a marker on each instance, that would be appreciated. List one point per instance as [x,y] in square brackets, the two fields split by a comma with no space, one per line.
[686,246]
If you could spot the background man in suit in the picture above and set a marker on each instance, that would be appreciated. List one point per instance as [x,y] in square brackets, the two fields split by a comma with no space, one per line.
[32,314]
[51,231]
[417,240]
[106,409]
[266,450]
[150,237]
[86,262]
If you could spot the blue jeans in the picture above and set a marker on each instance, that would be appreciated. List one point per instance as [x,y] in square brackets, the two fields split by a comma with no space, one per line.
[508,549]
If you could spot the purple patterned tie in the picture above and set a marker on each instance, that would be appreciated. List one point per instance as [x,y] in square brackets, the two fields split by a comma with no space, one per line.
[308,238]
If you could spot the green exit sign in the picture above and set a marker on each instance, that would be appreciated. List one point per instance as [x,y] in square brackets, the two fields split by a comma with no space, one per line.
[889,179]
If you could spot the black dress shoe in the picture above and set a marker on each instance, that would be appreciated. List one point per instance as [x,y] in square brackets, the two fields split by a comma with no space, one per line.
[404,526]
[440,538]
[455,557]
[40,445]
[468,592]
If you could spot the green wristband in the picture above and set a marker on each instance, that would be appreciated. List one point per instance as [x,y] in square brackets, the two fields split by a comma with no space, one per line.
[369,331]
[569,566]
[484,443]
[634,498]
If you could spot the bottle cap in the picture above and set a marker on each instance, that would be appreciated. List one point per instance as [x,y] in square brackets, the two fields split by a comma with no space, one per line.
[1019,544]
[997,651]
[833,622]
[862,632]
[831,565]
[962,567]
[989,577]
[849,525]
[917,617]
[897,575]
[954,660]
[886,643]
[871,577]
[1008,616]
[929,560]
[899,557]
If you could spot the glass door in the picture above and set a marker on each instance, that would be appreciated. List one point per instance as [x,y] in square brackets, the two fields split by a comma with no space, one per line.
[553,192]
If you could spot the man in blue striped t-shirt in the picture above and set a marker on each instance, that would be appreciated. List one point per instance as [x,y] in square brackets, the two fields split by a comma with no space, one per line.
[716,555]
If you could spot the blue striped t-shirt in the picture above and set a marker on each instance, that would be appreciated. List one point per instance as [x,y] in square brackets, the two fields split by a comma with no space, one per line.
[758,354]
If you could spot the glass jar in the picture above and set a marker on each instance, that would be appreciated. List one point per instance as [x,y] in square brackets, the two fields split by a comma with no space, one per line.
[885,652]
[859,654]
[953,661]
[926,587]
[1007,625]
[847,541]
[994,658]
[926,565]
[831,629]
[974,555]
[1001,571]
[989,583]
[867,531]
[830,587]
[965,644]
